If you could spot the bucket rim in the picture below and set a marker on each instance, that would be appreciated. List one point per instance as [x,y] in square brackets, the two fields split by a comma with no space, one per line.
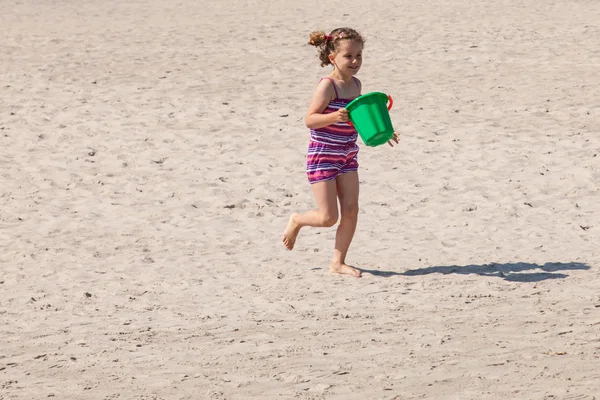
[363,96]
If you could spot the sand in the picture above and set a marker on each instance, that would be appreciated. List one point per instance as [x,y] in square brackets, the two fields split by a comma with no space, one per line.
[151,153]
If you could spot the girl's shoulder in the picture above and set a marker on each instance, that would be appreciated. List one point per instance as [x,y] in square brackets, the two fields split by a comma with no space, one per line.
[327,85]
[326,81]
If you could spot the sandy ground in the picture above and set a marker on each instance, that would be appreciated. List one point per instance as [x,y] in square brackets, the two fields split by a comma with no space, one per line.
[151,153]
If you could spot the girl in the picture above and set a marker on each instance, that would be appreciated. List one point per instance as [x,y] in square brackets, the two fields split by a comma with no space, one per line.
[332,165]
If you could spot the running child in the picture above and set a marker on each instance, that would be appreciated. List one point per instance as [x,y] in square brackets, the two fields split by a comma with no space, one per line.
[332,163]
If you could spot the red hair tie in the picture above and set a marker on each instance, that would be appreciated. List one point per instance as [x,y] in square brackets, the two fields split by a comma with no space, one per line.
[327,38]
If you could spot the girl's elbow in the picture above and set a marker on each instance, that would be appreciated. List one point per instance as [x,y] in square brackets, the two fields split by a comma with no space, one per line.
[308,122]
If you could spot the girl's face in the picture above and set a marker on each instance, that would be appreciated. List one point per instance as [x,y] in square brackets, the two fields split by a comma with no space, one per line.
[348,57]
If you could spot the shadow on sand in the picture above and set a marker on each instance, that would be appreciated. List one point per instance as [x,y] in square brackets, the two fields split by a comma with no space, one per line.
[513,272]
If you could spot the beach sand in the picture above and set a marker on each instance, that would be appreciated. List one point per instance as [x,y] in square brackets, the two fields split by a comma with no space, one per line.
[151,154]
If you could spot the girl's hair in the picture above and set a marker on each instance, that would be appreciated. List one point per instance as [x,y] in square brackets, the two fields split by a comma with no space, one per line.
[327,44]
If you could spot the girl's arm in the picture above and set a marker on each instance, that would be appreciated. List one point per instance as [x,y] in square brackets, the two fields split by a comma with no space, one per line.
[315,118]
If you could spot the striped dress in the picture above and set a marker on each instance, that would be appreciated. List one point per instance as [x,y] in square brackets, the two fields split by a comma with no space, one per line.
[332,149]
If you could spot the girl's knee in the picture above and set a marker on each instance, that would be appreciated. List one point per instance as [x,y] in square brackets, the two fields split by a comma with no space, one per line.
[329,219]
[350,211]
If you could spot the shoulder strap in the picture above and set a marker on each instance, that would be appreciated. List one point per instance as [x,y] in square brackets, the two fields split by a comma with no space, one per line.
[334,87]
[356,83]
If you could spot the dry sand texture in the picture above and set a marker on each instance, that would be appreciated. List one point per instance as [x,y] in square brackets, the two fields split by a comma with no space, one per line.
[151,152]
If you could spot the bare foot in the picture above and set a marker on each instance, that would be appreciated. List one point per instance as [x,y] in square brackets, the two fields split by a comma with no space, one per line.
[341,268]
[291,232]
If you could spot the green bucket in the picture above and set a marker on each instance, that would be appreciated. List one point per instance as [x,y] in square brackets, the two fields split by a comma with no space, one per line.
[370,116]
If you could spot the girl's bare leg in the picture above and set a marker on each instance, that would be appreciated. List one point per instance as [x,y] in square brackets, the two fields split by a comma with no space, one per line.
[326,214]
[347,191]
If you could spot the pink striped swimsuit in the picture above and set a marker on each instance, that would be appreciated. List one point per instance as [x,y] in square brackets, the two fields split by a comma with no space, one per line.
[332,149]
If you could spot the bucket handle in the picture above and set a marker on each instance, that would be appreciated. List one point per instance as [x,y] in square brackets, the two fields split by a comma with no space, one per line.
[390,104]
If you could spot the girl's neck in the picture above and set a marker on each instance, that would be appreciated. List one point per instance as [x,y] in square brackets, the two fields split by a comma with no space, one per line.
[336,74]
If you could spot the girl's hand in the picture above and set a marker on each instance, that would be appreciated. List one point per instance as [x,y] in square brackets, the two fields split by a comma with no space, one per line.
[341,115]
[395,138]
